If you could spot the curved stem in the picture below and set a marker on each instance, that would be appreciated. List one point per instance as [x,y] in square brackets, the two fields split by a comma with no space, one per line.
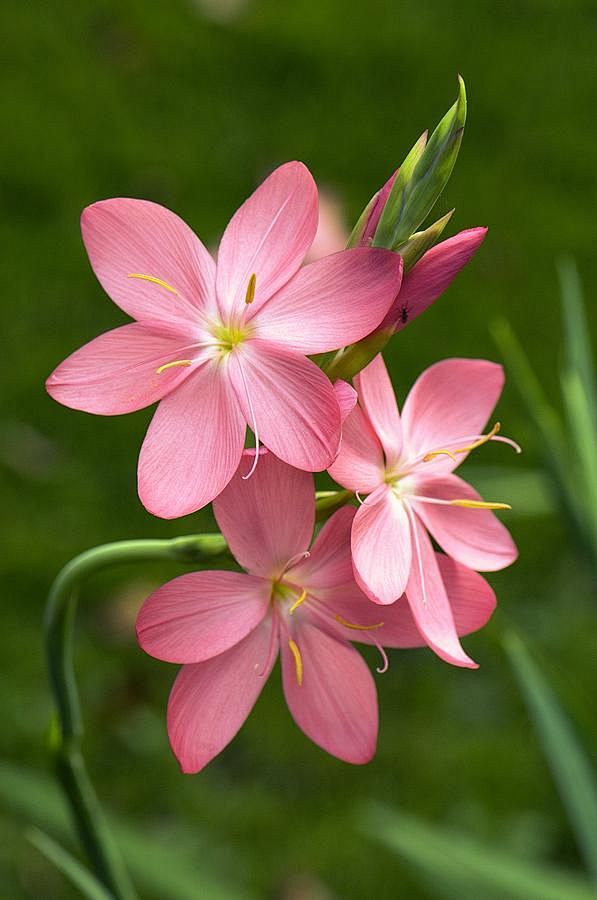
[58,626]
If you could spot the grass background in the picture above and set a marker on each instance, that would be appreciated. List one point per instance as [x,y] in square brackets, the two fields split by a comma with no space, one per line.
[172,102]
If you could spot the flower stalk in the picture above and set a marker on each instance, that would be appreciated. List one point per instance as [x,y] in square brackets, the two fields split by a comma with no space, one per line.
[59,619]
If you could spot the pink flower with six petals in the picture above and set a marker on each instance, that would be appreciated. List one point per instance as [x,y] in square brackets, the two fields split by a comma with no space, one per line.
[223,346]
[228,627]
[405,464]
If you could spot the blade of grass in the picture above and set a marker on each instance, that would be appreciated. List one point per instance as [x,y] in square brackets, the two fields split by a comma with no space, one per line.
[71,868]
[570,766]
[579,354]
[166,874]
[453,859]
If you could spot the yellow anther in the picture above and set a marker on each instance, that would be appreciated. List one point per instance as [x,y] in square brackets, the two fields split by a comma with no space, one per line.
[154,280]
[452,453]
[358,627]
[298,662]
[479,504]
[250,295]
[171,365]
[298,602]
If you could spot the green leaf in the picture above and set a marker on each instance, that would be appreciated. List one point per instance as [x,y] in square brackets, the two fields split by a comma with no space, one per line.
[422,178]
[413,249]
[460,862]
[70,867]
[570,766]
[166,873]
[579,355]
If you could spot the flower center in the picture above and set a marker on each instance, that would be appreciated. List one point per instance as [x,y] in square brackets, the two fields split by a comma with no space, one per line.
[229,336]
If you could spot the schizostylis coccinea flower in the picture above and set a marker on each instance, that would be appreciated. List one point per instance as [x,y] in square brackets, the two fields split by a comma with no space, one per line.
[223,346]
[405,463]
[296,600]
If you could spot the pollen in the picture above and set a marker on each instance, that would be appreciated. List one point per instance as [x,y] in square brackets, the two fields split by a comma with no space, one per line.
[479,504]
[154,280]
[250,295]
[298,661]
[452,453]
[171,365]
[298,602]
[348,624]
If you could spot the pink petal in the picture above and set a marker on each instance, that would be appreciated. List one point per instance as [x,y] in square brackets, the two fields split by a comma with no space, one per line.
[117,371]
[210,700]
[452,399]
[267,237]
[474,537]
[202,614]
[471,599]
[430,604]
[432,275]
[193,445]
[375,215]
[381,546]
[268,518]
[376,396]
[332,302]
[346,397]
[330,561]
[360,464]
[125,237]
[296,410]
[336,704]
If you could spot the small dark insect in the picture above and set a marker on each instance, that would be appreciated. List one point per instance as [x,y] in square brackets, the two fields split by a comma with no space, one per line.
[404,315]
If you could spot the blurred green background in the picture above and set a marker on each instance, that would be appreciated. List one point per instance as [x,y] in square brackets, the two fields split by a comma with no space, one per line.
[190,103]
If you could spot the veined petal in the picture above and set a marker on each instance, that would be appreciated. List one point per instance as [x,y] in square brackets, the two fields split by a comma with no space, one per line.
[201,614]
[125,238]
[330,561]
[117,371]
[474,537]
[471,599]
[210,700]
[193,444]
[346,397]
[332,302]
[376,396]
[450,400]
[359,465]
[336,703]
[268,518]
[297,413]
[267,237]
[430,604]
[432,275]
[381,546]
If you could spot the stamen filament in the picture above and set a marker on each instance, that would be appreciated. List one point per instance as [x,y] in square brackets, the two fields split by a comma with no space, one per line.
[348,624]
[478,443]
[271,649]
[298,661]
[154,280]
[170,365]
[385,663]
[298,602]
[413,527]
[253,423]
[250,295]
[479,504]
[467,504]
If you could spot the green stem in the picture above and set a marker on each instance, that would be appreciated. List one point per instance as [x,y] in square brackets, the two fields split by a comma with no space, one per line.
[58,624]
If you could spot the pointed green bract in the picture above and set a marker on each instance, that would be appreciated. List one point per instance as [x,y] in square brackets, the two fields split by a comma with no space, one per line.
[422,178]
[357,232]
[422,241]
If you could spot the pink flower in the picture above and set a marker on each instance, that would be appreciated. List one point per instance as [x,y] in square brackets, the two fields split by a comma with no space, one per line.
[405,464]
[227,628]
[429,277]
[225,346]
